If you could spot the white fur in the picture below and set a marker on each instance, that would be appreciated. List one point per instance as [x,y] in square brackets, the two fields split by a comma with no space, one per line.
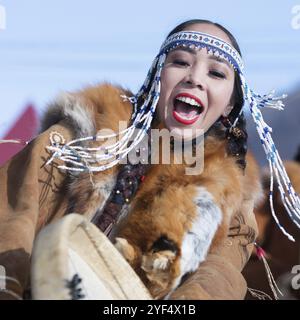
[161,263]
[73,108]
[197,240]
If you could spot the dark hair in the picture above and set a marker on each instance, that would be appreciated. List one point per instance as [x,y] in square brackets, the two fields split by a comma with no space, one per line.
[236,146]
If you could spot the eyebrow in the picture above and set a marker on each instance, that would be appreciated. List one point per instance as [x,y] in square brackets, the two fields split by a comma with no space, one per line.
[211,57]
[218,59]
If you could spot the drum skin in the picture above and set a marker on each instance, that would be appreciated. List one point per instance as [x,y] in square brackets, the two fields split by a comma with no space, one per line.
[73,259]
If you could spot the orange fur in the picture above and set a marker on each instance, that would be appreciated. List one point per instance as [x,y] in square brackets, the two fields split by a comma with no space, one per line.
[107,108]
[164,206]
[164,203]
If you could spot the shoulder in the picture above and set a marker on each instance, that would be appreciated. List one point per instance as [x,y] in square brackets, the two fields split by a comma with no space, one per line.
[88,110]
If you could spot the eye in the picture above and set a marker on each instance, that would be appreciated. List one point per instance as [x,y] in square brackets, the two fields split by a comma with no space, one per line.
[217,74]
[181,62]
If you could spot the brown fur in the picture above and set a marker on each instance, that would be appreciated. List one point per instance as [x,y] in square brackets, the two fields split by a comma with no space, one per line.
[164,203]
[164,206]
[105,106]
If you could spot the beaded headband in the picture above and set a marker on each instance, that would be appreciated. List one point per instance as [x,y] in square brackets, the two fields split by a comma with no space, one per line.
[78,158]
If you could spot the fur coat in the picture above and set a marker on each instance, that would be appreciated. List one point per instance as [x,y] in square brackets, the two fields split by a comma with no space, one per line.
[33,195]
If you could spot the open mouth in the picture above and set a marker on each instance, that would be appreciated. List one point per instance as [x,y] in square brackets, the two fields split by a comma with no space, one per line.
[187,108]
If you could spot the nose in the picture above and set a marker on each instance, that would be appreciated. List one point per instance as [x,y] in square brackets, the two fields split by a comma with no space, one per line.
[196,77]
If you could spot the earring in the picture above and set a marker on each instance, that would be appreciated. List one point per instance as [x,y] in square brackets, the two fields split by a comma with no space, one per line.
[236,132]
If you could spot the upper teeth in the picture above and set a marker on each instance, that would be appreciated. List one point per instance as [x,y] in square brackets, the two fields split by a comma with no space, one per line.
[190,101]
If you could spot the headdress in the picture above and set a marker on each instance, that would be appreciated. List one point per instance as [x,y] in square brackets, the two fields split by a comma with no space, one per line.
[78,158]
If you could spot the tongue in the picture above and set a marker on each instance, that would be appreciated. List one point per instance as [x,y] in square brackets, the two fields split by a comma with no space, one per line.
[185,109]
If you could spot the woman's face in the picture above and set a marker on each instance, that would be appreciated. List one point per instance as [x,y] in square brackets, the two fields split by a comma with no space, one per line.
[196,87]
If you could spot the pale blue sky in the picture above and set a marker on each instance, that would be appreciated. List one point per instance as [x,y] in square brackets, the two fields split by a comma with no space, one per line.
[49,46]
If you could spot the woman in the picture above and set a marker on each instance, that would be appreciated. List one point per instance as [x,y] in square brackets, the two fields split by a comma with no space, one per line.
[34,194]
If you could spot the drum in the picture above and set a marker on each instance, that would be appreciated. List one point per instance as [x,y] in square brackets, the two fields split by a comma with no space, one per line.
[73,259]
